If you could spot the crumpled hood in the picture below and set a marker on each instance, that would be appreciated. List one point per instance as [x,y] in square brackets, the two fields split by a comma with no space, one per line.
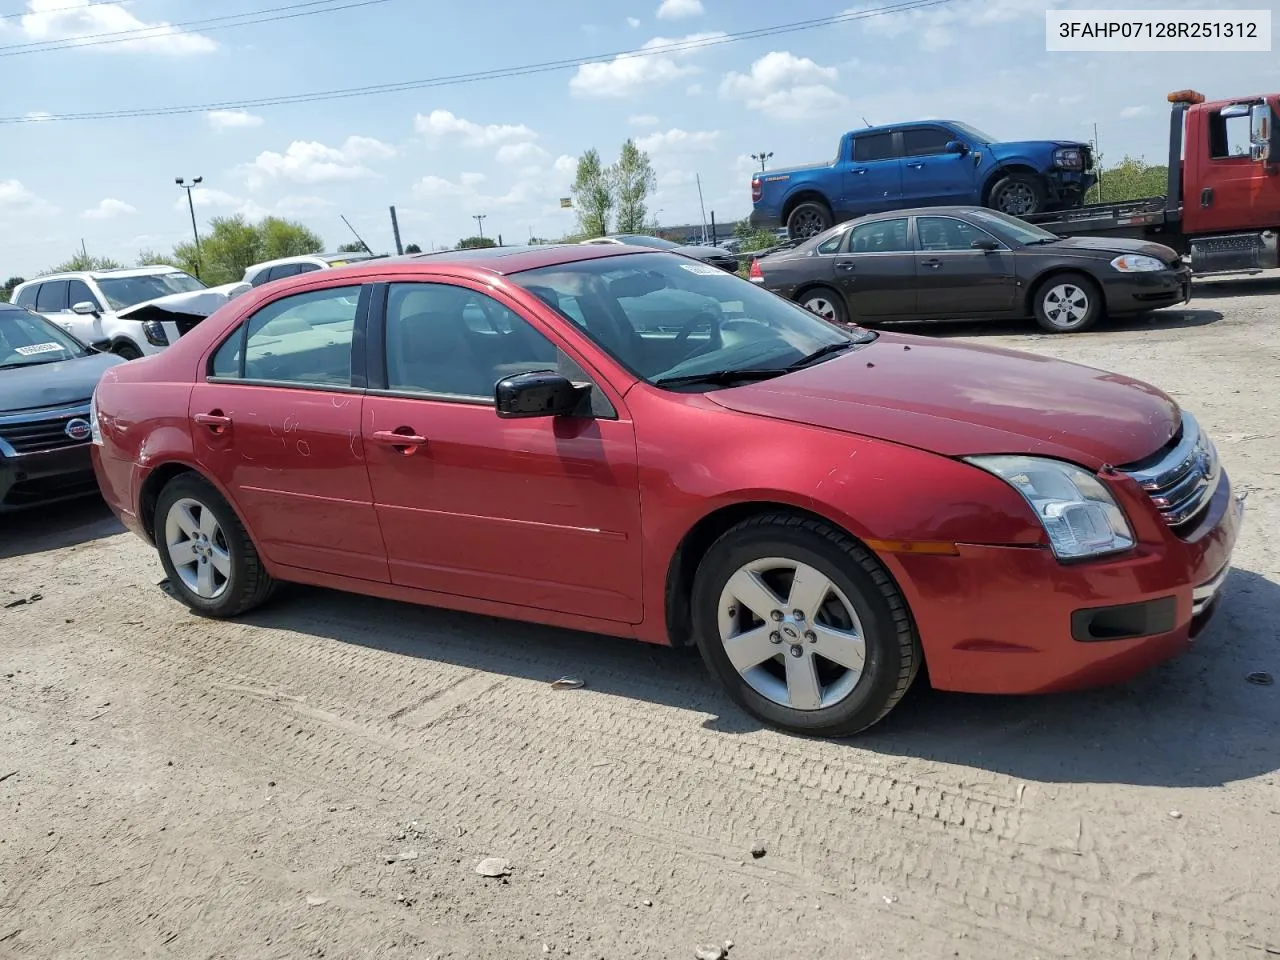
[53,384]
[962,400]
[195,303]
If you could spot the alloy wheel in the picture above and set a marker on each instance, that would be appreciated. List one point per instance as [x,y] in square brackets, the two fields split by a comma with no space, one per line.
[822,307]
[1017,199]
[791,634]
[1066,305]
[198,548]
[808,223]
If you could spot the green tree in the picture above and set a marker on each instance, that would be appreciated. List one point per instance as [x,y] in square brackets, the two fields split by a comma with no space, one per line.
[413,248]
[752,239]
[474,243]
[286,238]
[147,258]
[633,181]
[83,263]
[593,195]
[6,290]
[1130,179]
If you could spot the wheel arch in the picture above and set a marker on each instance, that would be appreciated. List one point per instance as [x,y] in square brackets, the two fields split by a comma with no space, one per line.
[1038,282]
[160,476]
[805,195]
[120,340]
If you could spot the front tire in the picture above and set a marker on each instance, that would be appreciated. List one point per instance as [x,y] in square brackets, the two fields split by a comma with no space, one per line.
[1019,195]
[803,626]
[127,351]
[825,303]
[1068,303]
[809,219]
[211,563]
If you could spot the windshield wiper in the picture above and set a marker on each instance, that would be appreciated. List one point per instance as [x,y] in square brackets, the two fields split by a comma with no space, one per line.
[823,352]
[721,377]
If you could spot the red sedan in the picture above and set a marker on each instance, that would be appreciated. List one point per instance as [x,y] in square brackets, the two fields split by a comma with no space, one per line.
[633,443]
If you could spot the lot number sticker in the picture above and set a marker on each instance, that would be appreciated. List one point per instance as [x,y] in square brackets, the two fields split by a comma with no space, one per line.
[702,269]
[35,348]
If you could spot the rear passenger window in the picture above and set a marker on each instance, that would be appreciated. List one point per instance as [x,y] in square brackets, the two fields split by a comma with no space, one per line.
[873,146]
[303,339]
[27,298]
[832,244]
[307,267]
[52,297]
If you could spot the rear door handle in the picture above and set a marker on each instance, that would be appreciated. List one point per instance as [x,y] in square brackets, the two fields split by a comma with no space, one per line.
[935,263]
[846,266]
[916,166]
[402,438]
[215,420]
[859,170]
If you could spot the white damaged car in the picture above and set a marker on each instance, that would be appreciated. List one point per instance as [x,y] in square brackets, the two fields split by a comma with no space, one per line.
[132,312]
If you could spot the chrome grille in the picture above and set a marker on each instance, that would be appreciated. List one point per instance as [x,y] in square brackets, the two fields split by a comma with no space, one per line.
[1182,481]
[41,431]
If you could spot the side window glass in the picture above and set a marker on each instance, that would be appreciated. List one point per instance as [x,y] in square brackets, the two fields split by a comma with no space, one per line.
[304,339]
[832,244]
[259,278]
[882,236]
[307,267]
[944,233]
[78,292]
[924,141]
[226,362]
[873,146]
[443,339]
[52,297]
[27,298]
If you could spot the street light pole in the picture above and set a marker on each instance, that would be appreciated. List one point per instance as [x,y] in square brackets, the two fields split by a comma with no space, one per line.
[479,219]
[195,182]
[762,157]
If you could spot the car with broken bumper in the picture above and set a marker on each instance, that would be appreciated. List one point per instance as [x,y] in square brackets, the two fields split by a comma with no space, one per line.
[822,511]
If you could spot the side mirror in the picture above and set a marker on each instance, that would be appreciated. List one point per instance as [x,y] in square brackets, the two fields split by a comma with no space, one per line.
[85,308]
[985,245]
[101,346]
[957,146]
[541,393]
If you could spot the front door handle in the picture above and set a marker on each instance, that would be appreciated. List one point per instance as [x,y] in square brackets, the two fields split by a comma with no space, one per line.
[935,263]
[215,420]
[916,166]
[846,266]
[859,171]
[402,438]
[1206,196]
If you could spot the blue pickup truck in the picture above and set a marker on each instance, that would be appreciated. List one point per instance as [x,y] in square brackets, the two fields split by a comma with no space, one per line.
[928,163]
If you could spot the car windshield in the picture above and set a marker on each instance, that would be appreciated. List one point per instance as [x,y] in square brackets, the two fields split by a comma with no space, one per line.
[641,240]
[973,133]
[27,339]
[1011,228]
[665,317]
[122,292]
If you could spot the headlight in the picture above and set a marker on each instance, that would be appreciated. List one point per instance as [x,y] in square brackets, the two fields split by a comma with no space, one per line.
[1078,513]
[95,429]
[1069,158]
[1137,263]
[153,330]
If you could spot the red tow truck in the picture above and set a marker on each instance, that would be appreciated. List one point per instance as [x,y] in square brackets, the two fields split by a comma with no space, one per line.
[1223,202]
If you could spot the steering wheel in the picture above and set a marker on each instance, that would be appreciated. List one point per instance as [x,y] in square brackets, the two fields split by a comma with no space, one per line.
[706,316]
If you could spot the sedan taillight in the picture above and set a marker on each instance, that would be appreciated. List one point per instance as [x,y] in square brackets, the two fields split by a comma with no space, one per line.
[757,275]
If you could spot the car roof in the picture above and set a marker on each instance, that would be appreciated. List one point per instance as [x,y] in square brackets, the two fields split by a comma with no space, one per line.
[507,260]
[151,270]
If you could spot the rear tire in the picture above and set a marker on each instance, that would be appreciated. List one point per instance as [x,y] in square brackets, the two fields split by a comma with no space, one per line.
[127,351]
[1067,303]
[809,219]
[211,563]
[825,303]
[846,651]
[1019,195]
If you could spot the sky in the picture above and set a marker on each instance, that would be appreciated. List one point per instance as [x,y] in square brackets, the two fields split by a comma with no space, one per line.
[506,147]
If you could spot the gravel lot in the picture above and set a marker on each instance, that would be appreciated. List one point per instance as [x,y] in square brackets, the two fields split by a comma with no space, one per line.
[321,778]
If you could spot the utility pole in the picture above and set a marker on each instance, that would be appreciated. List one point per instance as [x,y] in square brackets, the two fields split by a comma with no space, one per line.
[761,157]
[195,182]
[395,230]
[1097,158]
[698,179]
[479,219]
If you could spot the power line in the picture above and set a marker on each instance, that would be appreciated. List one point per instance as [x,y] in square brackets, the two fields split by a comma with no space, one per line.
[494,74]
[248,18]
[78,6]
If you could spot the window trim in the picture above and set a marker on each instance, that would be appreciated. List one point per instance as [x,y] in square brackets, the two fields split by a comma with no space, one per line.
[911,239]
[1003,247]
[358,347]
[376,335]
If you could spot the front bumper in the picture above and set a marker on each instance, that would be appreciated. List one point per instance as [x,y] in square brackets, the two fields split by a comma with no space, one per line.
[1006,619]
[38,479]
[1069,186]
[1138,292]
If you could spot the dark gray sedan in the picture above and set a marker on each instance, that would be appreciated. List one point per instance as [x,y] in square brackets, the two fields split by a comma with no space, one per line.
[942,263]
[715,256]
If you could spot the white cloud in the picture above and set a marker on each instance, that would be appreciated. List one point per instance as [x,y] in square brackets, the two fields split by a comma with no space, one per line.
[565,164]
[642,120]
[472,179]
[632,22]
[108,209]
[432,187]
[232,119]
[308,161]
[679,9]
[298,206]
[694,90]
[17,200]
[79,21]
[677,139]
[786,86]
[441,124]
[517,152]
[627,74]
[1128,113]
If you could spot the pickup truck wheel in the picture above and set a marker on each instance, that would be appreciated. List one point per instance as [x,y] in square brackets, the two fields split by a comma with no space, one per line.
[808,219]
[803,626]
[127,350]
[1068,303]
[1019,195]
[826,303]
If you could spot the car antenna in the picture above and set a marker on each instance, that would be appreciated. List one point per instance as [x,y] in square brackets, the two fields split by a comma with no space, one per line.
[864,120]
[357,236]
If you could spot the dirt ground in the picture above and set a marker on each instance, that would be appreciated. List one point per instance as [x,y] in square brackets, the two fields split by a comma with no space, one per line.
[322,778]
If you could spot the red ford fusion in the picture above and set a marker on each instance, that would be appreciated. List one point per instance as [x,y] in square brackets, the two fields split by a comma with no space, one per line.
[634,443]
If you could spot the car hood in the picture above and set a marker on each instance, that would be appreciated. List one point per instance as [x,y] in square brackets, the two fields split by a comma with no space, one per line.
[1017,148]
[962,400]
[1113,246]
[702,251]
[194,303]
[53,384]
